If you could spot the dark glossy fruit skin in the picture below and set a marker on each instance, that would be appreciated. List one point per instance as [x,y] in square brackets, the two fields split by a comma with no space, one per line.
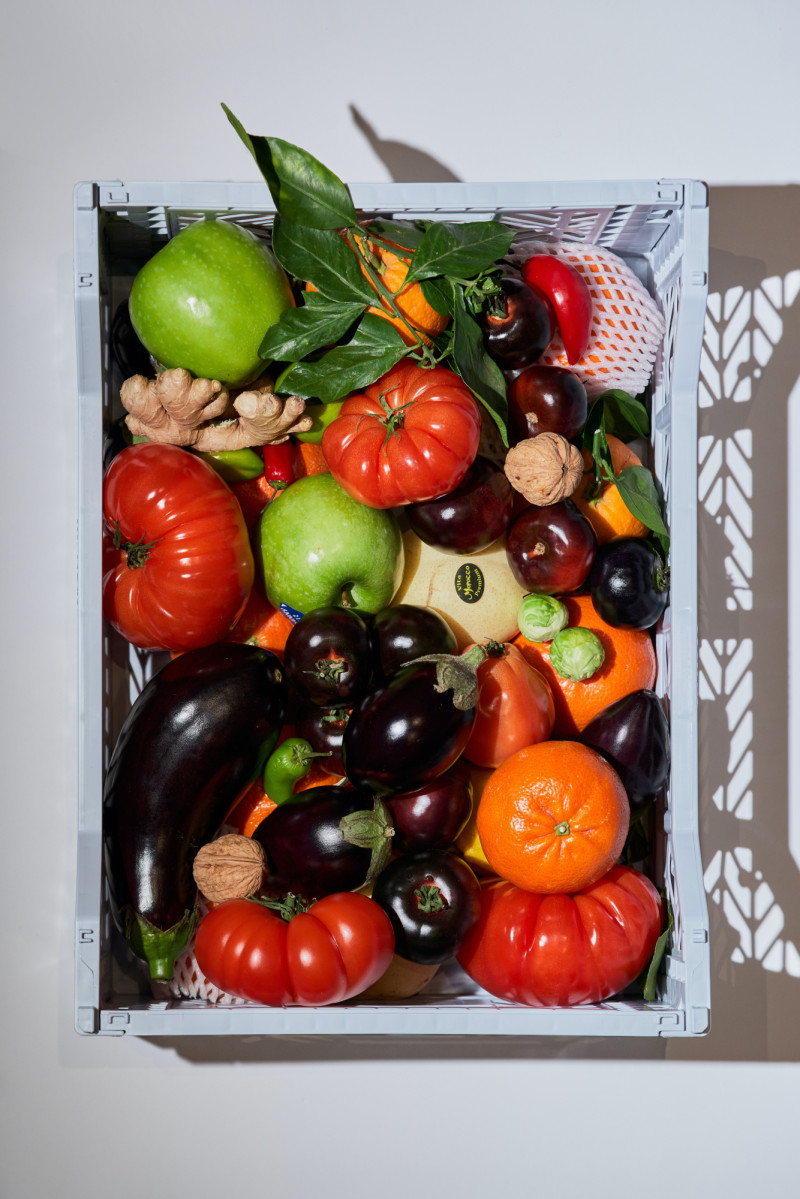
[194,739]
[523,332]
[546,399]
[306,851]
[323,728]
[628,584]
[407,631]
[632,734]
[432,816]
[328,657]
[550,550]
[470,518]
[434,936]
[405,733]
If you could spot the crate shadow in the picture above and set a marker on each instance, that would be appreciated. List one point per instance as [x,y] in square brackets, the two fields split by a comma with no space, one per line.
[750,366]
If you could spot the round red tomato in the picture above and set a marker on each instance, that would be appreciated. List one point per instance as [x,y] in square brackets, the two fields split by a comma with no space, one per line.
[411,436]
[337,949]
[178,567]
[515,707]
[559,950]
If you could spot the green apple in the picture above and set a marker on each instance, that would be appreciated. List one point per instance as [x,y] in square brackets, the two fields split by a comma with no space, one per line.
[206,299]
[319,547]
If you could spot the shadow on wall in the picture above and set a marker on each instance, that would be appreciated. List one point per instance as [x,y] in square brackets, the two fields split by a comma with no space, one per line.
[749,368]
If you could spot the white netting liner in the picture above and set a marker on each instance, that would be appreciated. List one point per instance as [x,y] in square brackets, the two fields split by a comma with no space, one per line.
[188,981]
[627,326]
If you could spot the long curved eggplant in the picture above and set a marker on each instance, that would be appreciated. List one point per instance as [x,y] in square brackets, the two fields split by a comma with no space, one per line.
[196,737]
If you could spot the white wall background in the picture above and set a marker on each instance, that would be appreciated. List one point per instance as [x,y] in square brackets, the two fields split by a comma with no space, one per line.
[513,91]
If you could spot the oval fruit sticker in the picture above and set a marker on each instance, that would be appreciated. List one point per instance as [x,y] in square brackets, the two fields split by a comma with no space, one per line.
[469,583]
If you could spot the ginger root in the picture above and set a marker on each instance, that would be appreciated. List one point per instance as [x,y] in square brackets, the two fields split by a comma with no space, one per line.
[545,469]
[180,410]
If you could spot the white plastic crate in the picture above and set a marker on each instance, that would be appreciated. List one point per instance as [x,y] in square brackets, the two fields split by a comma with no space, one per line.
[661,230]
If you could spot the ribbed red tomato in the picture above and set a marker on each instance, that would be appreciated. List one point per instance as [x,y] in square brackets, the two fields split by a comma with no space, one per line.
[411,436]
[559,950]
[515,707]
[178,567]
[336,949]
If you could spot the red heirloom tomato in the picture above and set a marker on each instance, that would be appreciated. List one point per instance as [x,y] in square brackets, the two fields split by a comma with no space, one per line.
[412,436]
[336,949]
[178,567]
[515,707]
[558,950]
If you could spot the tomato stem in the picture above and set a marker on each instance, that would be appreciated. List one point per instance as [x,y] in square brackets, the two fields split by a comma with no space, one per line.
[137,552]
[288,907]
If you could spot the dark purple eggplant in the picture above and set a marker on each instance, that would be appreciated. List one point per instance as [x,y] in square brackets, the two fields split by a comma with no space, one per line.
[632,734]
[328,657]
[323,729]
[195,738]
[325,839]
[629,583]
[432,815]
[432,899]
[407,732]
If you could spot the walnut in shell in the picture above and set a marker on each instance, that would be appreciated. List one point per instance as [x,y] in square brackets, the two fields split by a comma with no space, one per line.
[229,868]
[177,409]
[545,469]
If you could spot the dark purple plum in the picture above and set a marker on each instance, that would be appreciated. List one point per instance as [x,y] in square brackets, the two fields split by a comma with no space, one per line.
[469,518]
[407,631]
[550,550]
[546,399]
[521,327]
[433,815]
[628,583]
[632,734]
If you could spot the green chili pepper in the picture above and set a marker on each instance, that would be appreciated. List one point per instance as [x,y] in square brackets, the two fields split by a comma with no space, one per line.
[288,763]
[322,415]
[234,466]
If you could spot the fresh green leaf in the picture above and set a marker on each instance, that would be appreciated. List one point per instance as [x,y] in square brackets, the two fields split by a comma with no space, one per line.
[374,349]
[640,496]
[480,372]
[461,250]
[303,189]
[300,331]
[626,417]
[321,257]
[439,294]
[594,419]
[658,955]
[601,454]
[407,234]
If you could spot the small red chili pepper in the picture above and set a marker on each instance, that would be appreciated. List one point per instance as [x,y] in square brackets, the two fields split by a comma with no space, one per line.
[279,464]
[568,292]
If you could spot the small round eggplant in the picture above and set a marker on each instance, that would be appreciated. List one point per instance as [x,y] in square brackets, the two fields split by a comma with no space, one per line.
[632,734]
[325,839]
[628,583]
[405,733]
[433,815]
[432,899]
[407,631]
[323,728]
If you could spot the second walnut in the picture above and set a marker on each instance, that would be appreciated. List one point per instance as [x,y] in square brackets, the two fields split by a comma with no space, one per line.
[544,469]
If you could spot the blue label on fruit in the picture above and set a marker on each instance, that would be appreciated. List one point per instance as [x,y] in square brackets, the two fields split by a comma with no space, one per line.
[469,583]
[292,613]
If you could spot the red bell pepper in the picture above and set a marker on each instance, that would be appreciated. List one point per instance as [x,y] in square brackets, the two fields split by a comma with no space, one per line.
[568,292]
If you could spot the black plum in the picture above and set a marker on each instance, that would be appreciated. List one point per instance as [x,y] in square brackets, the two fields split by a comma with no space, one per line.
[632,734]
[551,549]
[405,733]
[432,816]
[628,584]
[521,329]
[433,900]
[546,399]
[407,631]
[328,657]
[469,518]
